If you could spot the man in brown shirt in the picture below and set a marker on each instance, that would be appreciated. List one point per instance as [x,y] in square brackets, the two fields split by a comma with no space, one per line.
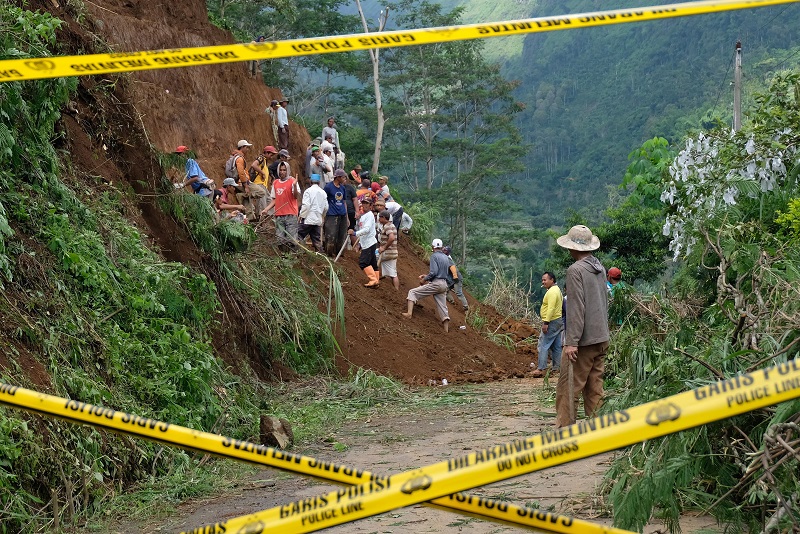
[586,337]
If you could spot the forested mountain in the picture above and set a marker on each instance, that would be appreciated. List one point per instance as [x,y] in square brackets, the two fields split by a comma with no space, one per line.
[595,94]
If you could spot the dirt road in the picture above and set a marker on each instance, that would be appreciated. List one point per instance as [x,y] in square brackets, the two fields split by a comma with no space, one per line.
[463,419]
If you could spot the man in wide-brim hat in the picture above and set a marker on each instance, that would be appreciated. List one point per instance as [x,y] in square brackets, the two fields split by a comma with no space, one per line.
[586,336]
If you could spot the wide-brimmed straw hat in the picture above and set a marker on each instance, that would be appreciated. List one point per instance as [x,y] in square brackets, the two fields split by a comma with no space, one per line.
[579,238]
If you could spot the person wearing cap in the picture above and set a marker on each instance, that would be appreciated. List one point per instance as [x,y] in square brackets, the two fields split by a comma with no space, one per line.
[434,284]
[336,220]
[251,196]
[614,277]
[355,174]
[384,183]
[366,234]
[552,325]
[285,197]
[195,177]
[454,282]
[387,248]
[310,156]
[312,213]
[259,169]
[587,334]
[223,198]
[283,125]
[272,111]
[330,132]
[321,165]
[283,156]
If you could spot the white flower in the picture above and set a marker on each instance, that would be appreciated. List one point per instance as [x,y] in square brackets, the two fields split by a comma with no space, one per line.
[729,196]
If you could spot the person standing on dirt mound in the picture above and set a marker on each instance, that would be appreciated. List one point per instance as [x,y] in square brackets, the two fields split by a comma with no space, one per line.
[365,232]
[388,248]
[552,324]
[336,220]
[312,213]
[272,111]
[285,197]
[283,125]
[434,284]
[259,168]
[587,335]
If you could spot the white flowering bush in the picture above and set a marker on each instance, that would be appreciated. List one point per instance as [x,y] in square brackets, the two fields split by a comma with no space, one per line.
[716,171]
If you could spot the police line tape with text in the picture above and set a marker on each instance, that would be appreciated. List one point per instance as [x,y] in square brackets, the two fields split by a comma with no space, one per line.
[125,423]
[718,400]
[92,64]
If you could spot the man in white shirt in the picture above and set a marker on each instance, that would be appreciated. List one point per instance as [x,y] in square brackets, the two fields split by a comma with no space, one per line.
[312,213]
[283,125]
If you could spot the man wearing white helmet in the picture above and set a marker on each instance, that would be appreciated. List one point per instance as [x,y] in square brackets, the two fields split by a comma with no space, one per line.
[434,283]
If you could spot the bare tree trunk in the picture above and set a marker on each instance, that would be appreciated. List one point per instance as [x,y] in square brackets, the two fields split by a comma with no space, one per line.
[374,56]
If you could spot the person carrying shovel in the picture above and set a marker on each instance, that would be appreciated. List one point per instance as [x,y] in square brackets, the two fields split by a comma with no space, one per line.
[586,337]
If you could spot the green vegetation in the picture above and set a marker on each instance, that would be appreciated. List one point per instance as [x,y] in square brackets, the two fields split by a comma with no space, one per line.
[92,313]
[733,307]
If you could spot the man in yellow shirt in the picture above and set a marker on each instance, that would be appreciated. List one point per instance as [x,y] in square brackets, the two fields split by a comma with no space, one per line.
[552,324]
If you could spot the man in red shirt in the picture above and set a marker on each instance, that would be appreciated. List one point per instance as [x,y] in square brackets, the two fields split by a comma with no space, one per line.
[285,199]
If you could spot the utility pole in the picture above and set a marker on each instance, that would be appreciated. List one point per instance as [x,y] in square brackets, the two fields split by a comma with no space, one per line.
[737,89]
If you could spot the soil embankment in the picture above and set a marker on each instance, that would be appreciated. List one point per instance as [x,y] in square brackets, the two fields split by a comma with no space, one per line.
[116,120]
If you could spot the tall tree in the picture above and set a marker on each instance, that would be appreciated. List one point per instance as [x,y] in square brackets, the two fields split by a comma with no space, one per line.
[375,59]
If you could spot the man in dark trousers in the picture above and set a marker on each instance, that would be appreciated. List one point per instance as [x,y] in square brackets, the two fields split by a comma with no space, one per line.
[586,337]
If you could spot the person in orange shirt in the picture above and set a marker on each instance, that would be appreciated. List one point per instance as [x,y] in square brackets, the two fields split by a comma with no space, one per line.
[285,199]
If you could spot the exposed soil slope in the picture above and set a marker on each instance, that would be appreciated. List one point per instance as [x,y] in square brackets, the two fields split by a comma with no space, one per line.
[208,109]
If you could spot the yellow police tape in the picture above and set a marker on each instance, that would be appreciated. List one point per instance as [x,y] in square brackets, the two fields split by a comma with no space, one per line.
[719,400]
[186,438]
[54,67]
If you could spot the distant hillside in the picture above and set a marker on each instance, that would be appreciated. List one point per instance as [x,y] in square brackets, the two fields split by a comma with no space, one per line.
[595,94]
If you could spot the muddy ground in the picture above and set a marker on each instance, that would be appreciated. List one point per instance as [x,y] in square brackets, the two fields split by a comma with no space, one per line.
[464,419]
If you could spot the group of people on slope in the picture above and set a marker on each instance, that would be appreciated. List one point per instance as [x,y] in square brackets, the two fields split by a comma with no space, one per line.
[323,211]
[582,327]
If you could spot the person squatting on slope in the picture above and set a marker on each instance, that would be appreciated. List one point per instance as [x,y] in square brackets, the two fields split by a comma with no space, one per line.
[552,325]
[587,334]
[434,284]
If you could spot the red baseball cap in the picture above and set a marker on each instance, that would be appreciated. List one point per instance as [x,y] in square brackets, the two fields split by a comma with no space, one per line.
[270,149]
[614,273]
[181,149]
[376,186]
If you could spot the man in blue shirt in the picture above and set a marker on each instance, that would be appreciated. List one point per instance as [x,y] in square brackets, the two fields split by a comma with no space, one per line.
[336,222]
[201,184]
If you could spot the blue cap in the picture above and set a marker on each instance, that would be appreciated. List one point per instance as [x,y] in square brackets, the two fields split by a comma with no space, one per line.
[315,177]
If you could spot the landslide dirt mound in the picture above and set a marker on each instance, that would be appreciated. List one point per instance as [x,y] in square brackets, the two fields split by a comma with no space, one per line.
[209,108]
[417,350]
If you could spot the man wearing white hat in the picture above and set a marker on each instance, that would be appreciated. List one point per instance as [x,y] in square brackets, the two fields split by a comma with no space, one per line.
[434,283]
[586,337]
